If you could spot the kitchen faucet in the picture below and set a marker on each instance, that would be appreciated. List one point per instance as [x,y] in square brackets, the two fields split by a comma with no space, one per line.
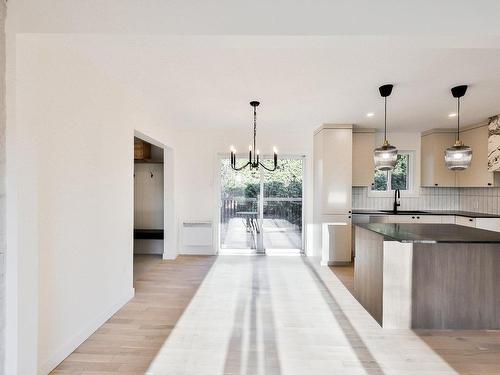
[397,195]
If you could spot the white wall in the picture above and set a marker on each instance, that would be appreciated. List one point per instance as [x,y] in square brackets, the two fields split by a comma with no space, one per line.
[148,196]
[197,163]
[72,222]
[71,176]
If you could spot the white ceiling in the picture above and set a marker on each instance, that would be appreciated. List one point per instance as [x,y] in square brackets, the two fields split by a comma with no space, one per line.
[197,64]
[268,17]
[209,85]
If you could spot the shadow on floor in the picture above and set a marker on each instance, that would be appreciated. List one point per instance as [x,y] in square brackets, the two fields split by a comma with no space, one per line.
[130,340]
[466,351]
[256,351]
[363,354]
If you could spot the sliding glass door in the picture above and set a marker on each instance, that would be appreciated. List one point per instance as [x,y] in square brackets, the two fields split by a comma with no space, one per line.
[261,211]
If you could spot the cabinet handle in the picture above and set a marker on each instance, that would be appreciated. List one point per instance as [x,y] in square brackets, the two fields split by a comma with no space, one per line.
[349,217]
[470,219]
[435,184]
[489,183]
[413,217]
[418,217]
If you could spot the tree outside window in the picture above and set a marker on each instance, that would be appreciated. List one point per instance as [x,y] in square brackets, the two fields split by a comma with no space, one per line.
[398,178]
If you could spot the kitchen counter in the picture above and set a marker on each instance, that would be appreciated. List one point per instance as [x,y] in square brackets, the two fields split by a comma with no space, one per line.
[432,233]
[428,276]
[427,212]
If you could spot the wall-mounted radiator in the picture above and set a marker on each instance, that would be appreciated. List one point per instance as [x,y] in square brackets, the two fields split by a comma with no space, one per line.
[196,237]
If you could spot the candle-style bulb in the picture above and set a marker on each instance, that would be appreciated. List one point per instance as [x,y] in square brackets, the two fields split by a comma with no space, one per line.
[250,148]
[275,150]
[257,151]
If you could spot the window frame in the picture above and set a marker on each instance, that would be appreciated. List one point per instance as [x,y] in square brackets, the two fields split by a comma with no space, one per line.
[411,191]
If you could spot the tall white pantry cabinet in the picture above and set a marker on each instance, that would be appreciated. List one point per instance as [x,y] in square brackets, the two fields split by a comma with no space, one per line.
[332,193]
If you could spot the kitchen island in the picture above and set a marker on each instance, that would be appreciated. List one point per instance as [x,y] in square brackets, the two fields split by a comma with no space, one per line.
[432,276]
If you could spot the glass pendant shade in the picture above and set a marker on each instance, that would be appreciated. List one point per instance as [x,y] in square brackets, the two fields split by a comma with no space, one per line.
[458,157]
[385,157]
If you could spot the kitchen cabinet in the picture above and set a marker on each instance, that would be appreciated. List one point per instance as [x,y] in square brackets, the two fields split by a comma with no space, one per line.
[332,178]
[488,223]
[433,171]
[416,219]
[333,169]
[477,174]
[465,221]
[363,143]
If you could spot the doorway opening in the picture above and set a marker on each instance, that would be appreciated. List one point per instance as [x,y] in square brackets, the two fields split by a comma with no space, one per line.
[261,211]
[148,206]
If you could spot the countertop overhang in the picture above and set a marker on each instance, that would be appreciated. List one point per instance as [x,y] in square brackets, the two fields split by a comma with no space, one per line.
[425,212]
[432,233]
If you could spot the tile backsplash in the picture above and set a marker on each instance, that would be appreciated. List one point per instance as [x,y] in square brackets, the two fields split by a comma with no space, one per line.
[486,200]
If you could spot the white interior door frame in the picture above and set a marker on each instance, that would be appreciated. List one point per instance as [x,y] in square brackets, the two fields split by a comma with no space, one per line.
[169,227]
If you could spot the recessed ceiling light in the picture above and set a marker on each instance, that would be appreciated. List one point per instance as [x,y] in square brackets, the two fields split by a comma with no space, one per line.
[370,114]
[452,115]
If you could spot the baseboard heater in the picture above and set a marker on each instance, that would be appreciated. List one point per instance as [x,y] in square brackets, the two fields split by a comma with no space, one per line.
[196,237]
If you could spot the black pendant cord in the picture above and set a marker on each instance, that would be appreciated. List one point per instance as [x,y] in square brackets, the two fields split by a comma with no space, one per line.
[385,119]
[458,119]
[254,133]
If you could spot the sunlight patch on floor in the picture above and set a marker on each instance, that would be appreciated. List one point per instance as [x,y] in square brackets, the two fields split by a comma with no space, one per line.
[282,315]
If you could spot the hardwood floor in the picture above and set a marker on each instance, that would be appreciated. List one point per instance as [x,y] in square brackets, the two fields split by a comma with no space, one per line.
[265,315]
[129,341]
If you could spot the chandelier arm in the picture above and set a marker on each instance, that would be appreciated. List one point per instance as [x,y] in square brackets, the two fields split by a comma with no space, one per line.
[240,168]
[269,169]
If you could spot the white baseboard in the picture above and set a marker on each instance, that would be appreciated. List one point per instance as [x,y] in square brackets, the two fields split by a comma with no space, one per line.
[84,334]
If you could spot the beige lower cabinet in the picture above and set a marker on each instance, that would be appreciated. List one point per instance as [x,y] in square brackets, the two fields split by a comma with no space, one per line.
[433,172]
[416,219]
[465,221]
[488,223]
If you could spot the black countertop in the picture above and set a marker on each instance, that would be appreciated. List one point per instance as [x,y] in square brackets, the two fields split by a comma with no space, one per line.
[432,233]
[428,212]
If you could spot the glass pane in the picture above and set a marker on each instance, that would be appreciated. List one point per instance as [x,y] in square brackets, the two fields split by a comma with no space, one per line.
[380,181]
[240,192]
[399,175]
[282,224]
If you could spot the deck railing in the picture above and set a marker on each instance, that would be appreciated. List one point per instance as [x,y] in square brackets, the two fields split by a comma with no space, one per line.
[289,209]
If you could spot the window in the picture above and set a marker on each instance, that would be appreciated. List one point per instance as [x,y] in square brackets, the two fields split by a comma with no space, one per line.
[398,178]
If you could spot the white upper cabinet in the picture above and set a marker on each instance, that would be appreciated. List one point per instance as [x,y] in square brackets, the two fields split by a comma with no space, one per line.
[333,169]
[477,174]
[433,171]
[363,143]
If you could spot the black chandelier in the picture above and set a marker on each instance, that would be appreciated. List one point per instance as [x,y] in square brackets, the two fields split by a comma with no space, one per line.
[253,158]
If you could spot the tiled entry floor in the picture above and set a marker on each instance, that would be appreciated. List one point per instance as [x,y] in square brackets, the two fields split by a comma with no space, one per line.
[265,315]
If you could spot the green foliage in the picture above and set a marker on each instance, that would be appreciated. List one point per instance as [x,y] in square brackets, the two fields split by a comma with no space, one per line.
[285,182]
[398,176]
[380,181]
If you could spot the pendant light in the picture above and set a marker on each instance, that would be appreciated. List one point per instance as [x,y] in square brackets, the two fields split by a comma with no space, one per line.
[385,156]
[458,156]
[254,158]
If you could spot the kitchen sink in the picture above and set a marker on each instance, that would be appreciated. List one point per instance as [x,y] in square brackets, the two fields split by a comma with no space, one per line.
[405,212]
